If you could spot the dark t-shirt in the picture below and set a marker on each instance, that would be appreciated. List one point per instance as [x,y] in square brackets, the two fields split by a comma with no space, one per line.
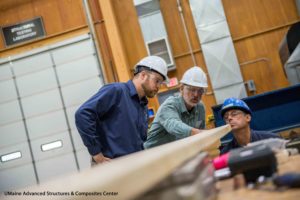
[255,136]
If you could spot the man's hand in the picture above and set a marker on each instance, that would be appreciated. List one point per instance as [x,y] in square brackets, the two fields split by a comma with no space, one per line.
[99,158]
[195,131]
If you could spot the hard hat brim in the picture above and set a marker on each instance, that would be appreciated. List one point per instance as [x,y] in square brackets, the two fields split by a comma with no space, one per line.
[223,111]
[194,84]
[166,78]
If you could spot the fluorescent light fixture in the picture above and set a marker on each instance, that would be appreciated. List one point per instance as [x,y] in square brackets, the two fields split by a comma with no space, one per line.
[11,156]
[52,145]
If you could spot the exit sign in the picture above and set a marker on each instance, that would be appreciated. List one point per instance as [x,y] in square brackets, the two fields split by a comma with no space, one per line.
[172,82]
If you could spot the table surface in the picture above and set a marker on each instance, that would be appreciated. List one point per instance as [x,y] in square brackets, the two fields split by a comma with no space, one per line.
[263,192]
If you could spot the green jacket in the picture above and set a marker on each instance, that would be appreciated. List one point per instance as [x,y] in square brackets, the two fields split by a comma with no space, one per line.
[173,121]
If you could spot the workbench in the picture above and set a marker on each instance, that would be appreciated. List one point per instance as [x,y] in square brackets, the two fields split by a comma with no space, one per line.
[264,192]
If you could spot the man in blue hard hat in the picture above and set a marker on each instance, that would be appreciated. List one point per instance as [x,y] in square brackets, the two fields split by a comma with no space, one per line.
[237,114]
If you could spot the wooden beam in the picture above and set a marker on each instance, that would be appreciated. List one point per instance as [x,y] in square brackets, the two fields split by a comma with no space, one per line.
[132,175]
[115,40]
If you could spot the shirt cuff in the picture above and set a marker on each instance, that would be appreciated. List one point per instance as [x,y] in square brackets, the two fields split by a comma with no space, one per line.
[183,131]
[94,150]
[188,131]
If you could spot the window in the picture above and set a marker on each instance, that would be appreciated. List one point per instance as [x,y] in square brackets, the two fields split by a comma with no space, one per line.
[11,156]
[145,8]
[164,95]
[154,30]
[53,145]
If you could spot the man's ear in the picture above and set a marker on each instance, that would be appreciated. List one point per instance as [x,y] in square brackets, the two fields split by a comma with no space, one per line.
[143,75]
[248,118]
[181,89]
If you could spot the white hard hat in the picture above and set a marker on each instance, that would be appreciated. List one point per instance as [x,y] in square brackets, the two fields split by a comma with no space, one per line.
[195,76]
[154,63]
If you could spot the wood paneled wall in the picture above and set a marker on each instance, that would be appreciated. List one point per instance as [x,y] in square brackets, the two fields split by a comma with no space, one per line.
[256,16]
[257,28]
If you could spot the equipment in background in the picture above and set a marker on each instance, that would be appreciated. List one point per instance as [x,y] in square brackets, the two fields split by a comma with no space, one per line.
[292,67]
[151,112]
[289,52]
[294,143]
[291,180]
[162,96]
[194,180]
[276,144]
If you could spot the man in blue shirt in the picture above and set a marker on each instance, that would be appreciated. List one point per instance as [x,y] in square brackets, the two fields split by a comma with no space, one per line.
[114,121]
[237,113]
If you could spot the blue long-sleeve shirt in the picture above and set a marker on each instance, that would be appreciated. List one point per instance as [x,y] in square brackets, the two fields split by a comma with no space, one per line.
[114,121]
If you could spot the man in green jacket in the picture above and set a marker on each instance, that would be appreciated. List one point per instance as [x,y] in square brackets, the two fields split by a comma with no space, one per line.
[180,116]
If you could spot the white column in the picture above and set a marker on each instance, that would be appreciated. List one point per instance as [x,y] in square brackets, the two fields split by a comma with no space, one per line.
[218,50]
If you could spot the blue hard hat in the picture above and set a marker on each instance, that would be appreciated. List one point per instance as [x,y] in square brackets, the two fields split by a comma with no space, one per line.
[234,103]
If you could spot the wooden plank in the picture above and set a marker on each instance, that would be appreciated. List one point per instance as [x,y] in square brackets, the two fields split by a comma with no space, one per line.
[246,17]
[131,175]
